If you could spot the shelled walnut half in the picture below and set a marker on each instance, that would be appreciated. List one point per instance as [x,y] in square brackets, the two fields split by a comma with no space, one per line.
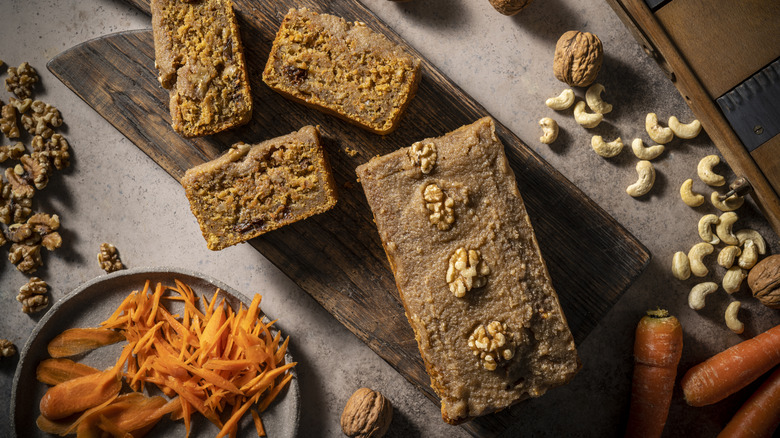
[7,348]
[21,80]
[33,295]
[42,120]
[55,149]
[108,258]
[491,344]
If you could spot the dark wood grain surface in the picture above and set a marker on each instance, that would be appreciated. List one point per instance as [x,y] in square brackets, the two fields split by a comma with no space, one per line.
[337,257]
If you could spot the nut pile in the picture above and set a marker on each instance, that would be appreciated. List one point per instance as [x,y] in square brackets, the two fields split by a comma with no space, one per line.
[35,152]
[738,251]
[577,62]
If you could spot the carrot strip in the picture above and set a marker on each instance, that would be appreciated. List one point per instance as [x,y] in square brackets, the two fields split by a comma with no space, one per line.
[270,397]
[258,423]
[80,340]
[731,370]
[155,304]
[56,371]
[146,337]
[233,421]
[760,415]
[657,349]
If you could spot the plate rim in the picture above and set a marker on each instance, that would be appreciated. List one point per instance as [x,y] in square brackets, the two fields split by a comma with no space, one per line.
[293,388]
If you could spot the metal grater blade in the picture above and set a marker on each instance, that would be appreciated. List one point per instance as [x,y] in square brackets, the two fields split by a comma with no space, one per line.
[752,108]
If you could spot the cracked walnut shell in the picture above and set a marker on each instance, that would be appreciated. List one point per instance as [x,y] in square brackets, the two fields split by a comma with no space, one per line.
[764,281]
[367,414]
[33,295]
[466,271]
[21,79]
[108,258]
[578,58]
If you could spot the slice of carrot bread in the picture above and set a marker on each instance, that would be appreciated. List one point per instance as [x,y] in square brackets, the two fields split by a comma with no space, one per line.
[342,68]
[199,55]
[255,189]
[469,271]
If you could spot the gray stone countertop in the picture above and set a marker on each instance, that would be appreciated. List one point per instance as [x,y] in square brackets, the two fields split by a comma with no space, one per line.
[114,193]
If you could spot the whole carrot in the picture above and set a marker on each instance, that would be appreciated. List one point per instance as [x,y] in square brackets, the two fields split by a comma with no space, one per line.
[657,351]
[760,415]
[731,370]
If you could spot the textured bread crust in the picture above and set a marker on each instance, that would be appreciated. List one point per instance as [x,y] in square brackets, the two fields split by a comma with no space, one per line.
[471,170]
[255,189]
[200,59]
[343,69]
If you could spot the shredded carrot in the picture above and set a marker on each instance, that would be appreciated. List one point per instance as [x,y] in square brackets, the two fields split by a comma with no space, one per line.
[218,361]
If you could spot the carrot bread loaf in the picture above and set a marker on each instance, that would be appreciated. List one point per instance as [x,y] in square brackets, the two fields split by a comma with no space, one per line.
[254,189]
[199,56]
[475,287]
[342,68]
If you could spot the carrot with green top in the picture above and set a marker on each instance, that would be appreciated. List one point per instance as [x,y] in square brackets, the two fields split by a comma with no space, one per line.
[760,415]
[731,370]
[657,350]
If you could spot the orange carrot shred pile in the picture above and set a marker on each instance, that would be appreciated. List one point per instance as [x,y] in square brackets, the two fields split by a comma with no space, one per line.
[217,361]
[220,362]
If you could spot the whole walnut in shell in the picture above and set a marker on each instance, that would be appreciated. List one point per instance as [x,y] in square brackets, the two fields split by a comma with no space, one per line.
[367,414]
[764,281]
[510,7]
[578,58]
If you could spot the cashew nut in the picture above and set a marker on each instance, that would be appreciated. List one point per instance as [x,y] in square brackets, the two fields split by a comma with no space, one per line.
[646,153]
[644,183]
[593,97]
[550,130]
[706,174]
[727,255]
[723,228]
[699,292]
[656,132]
[695,256]
[681,267]
[748,234]
[731,203]
[606,149]
[587,120]
[732,322]
[749,255]
[732,279]
[705,228]
[562,101]
[689,198]
[686,131]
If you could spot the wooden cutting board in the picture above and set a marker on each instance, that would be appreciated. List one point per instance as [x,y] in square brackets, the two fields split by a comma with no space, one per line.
[337,256]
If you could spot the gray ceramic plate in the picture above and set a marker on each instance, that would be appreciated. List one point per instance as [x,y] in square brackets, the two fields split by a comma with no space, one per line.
[91,304]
